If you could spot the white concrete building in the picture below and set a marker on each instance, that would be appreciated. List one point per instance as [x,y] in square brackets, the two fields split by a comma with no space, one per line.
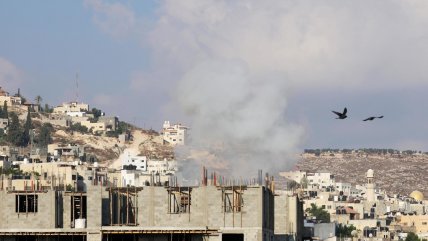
[140,162]
[10,100]
[320,180]
[344,187]
[163,167]
[174,134]
[71,107]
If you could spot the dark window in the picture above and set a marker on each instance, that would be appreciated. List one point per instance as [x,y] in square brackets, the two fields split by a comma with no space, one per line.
[232,237]
[26,203]
[78,207]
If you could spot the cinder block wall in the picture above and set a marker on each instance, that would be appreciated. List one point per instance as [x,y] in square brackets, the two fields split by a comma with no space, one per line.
[44,218]
[206,209]
[94,206]
[66,210]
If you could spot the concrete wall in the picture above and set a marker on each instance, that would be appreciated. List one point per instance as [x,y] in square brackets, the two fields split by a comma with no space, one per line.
[288,217]
[205,210]
[44,218]
[324,230]
[255,220]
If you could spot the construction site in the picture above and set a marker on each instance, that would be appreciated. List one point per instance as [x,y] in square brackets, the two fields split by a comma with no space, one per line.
[216,209]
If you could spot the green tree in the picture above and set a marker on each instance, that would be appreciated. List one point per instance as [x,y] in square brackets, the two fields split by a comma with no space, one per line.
[97,113]
[47,109]
[4,113]
[292,185]
[78,127]
[14,133]
[304,182]
[45,135]
[412,237]
[321,215]
[344,230]
[27,127]
[38,99]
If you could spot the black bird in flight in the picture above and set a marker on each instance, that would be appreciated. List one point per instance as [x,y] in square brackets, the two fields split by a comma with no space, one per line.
[373,117]
[341,115]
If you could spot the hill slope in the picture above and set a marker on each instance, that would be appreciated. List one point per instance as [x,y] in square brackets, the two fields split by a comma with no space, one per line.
[395,173]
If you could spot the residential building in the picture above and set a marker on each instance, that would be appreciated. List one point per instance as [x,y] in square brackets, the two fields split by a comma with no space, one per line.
[96,127]
[134,162]
[414,223]
[111,122]
[57,120]
[343,187]
[11,101]
[69,152]
[174,134]
[72,108]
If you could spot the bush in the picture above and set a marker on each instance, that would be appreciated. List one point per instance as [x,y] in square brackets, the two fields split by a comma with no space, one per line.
[79,128]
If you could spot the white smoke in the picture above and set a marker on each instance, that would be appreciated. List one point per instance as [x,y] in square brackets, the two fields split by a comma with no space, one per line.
[235,62]
[238,119]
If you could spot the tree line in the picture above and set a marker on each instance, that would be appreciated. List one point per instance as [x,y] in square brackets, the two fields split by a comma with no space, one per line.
[378,151]
[22,135]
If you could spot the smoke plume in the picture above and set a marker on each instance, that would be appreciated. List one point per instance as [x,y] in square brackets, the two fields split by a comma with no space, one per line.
[238,119]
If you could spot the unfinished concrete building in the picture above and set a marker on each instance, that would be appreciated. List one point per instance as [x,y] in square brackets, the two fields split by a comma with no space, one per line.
[206,212]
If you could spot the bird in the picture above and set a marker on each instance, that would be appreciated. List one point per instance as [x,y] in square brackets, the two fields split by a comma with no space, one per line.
[341,115]
[373,117]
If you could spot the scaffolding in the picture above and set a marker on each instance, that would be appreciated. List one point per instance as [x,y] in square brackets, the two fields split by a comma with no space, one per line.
[179,199]
[232,202]
[123,206]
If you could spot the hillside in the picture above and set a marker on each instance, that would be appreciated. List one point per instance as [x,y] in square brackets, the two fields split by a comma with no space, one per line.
[106,150]
[395,172]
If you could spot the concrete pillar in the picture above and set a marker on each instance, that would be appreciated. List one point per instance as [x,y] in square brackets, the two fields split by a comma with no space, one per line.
[94,206]
[94,235]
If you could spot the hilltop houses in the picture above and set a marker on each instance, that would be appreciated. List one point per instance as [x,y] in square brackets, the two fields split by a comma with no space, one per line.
[72,109]
[8,99]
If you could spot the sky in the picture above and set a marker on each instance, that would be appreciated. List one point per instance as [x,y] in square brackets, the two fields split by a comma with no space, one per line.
[247,74]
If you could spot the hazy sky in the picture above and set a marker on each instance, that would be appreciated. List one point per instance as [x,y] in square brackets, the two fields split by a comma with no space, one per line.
[259,73]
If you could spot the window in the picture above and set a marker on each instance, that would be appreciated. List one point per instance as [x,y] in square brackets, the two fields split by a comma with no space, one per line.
[424,223]
[77,207]
[179,200]
[233,237]
[26,203]
[232,201]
